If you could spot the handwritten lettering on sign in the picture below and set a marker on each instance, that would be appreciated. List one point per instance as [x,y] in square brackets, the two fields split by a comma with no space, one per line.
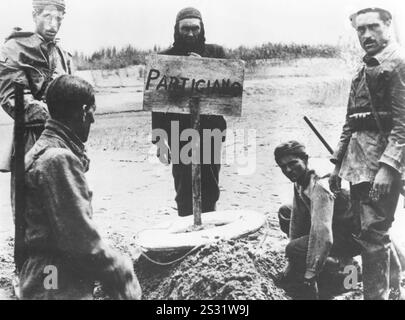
[171,81]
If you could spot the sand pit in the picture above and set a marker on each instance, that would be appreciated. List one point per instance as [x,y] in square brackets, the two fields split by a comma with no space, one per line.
[228,270]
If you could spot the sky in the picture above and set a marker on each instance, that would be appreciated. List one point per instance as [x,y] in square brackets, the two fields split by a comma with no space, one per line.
[92,24]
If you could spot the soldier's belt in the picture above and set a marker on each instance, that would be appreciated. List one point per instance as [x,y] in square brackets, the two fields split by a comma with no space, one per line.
[365,121]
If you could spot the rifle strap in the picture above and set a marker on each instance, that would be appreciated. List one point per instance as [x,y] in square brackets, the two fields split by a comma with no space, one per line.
[372,105]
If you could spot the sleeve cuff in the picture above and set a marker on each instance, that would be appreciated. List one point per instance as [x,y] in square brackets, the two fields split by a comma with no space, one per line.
[393,155]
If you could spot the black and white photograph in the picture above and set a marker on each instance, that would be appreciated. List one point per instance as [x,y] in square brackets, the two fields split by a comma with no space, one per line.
[200,150]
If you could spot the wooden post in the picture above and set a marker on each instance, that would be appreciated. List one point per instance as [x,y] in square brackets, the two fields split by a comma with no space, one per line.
[194,105]
[19,176]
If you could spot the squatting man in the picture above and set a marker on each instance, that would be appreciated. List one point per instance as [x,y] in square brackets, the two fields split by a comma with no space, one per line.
[322,229]
[319,226]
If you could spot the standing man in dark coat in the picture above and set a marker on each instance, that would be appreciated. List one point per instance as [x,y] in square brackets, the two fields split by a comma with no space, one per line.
[65,251]
[371,152]
[189,40]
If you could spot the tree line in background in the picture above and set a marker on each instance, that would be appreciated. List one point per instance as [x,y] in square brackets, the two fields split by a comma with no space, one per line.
[112,58]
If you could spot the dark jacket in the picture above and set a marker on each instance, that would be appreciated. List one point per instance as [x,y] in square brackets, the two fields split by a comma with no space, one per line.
[59,229]
[25,57]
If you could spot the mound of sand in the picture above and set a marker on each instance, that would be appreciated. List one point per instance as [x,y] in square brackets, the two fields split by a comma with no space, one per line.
[230,270]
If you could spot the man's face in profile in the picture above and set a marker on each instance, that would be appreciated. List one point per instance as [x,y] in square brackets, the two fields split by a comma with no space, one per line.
[48,22]
[373,32]
[88,120]
[189,30]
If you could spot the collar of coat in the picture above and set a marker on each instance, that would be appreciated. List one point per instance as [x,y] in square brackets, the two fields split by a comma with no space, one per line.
[61,131]
[382,56]
[30,37]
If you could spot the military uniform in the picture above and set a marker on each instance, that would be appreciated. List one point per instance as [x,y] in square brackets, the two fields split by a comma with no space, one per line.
[182,172]
[27,58]
[60,231]
[364,147]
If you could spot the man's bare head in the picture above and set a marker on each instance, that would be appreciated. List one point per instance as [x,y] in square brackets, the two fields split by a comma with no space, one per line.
[71,101]
[292,159]
[373,26]
[48,16]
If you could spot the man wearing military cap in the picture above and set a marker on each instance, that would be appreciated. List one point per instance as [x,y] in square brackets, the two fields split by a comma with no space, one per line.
[189,40]
[371,151]
[33,59]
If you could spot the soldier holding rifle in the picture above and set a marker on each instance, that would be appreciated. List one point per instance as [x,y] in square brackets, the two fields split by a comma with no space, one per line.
[371,152]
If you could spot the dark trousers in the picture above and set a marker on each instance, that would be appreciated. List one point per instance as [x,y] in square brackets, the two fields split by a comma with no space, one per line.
[296,250]
[183,187]
[379,258]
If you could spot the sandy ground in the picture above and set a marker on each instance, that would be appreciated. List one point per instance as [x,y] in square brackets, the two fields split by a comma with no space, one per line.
[132,192]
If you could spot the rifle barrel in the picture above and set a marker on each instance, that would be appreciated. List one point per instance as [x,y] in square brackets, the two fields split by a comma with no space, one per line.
[327,146]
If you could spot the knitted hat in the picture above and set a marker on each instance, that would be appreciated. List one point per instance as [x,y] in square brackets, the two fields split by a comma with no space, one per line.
[188,13]
[40,4]
[290,148]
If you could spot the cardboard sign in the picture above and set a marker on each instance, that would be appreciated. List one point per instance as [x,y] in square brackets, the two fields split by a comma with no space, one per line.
[170,82]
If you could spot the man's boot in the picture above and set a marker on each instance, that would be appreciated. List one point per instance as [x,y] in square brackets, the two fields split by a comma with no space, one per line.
[376,274]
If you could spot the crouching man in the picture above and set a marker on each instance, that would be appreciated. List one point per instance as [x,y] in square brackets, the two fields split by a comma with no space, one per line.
[65,253]
[319,226]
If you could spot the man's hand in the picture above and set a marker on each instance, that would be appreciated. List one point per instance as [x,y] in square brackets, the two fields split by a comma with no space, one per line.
[163,152]
[335,182]
[383,182]
[124,285]
[193,54]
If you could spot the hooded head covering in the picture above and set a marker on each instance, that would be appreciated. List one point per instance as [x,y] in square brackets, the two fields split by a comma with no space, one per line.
[188,13]
[179,44]
[290,148]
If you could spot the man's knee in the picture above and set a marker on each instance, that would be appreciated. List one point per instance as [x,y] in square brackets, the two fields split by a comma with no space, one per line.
[297,248]
[292,250]
[284,218]
[289,250]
